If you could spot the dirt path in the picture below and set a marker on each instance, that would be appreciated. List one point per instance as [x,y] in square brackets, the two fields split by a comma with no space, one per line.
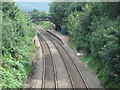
[35,80]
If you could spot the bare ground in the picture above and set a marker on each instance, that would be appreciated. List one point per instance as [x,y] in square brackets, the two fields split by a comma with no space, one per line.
[35,80]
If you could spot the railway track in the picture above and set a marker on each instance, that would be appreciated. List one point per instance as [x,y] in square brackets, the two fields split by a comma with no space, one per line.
[48,79]
[51,73]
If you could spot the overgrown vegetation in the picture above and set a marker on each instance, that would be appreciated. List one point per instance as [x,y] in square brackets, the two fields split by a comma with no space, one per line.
[44,24]
[94,29]
[17,46]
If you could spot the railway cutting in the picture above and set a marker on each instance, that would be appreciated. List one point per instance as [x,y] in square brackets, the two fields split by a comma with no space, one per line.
[58,68]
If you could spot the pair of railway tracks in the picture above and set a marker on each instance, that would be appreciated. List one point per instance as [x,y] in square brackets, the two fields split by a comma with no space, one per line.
[54,68]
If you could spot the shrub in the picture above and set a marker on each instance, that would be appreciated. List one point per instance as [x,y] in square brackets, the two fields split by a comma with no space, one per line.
[104,48]
[17,46]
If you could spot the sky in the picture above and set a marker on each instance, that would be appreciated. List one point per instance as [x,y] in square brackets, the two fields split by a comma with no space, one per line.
[33,0]
[61,0]
[65,0]
[29,6]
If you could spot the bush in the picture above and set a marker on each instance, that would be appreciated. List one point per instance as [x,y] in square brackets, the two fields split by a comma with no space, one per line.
[17,46]
[45,25]
[94,28]
[96,31]
[79,22]
[104,47]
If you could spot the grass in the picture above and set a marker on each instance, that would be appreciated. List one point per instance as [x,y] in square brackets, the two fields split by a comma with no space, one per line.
[90,62]
[88,59]
[44,24]
[71,46]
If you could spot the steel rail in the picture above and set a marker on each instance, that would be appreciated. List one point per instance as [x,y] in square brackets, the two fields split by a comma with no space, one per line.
[72,84]
[44,66]
[80,73]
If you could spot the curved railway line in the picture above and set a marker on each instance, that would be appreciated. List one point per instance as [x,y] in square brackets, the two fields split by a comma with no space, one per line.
[51,70]
[48,77]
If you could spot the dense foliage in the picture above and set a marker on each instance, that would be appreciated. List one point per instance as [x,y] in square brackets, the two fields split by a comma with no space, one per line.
[36,13]
[46,25]
[94,29]
[17,46]
[0,29]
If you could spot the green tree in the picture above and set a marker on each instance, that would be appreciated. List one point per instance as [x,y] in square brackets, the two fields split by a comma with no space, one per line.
[17,46]
[94,28]
[36,13]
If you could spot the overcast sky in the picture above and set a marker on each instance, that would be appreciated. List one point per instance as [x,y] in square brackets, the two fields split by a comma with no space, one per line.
[29,6]
[33,0]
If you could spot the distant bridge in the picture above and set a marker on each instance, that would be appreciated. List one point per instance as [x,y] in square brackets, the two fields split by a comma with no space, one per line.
[41,18]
